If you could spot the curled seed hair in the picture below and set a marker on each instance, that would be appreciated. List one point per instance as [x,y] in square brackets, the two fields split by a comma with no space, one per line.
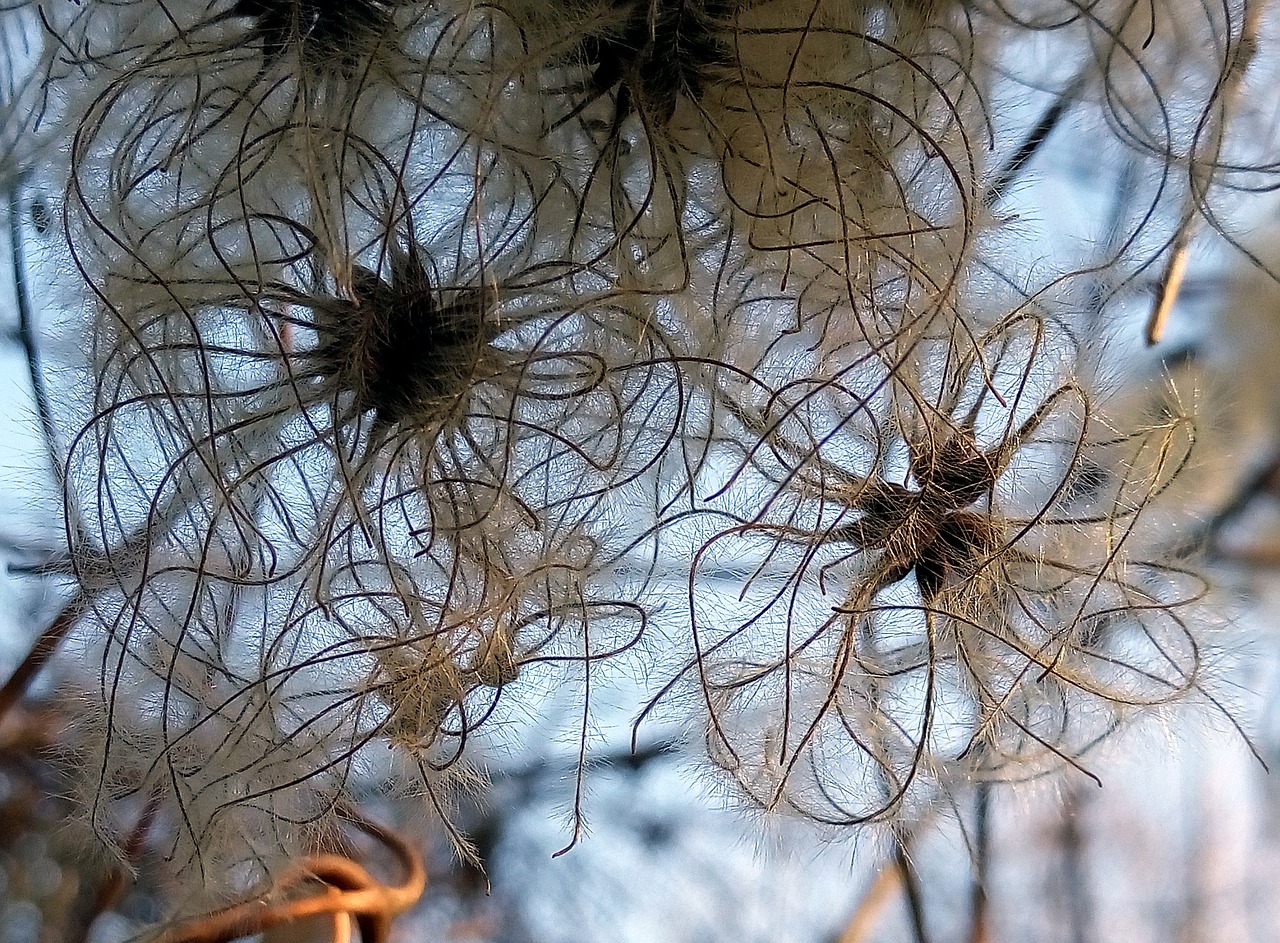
[400,308]
[328,516]
[922,599]
[324,30]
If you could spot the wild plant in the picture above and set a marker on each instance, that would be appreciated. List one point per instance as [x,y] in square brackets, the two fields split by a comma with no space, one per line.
[943,582]
[253,404]
[423,338]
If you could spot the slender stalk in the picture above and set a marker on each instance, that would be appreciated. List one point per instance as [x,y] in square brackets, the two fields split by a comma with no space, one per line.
[47,643]
[911,889]
[1239,57]
[979,931]
[1035,139]
[27,337]
[867,914]
[112,889]
[1075,883]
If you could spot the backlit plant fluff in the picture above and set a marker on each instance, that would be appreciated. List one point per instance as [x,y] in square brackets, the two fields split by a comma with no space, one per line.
[433,342]
[346,543]
[949,579]
[364,476]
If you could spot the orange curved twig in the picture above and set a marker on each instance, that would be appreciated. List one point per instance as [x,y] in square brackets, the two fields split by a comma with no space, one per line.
[348,891]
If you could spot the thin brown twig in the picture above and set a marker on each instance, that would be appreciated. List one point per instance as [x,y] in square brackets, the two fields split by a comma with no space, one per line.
[1034,140]
[1170,284]
[48,641]
[31,729]
[979,926]
[866,915]
[41,651]
[1075,883]
[27,337]
[911,889]
[1232,81]
[1257,558]
[348,892]
[112,889]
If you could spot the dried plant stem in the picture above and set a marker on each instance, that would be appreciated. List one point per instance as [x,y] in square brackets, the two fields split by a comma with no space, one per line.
[1171,281]
[1265,481]
[348,892]
[31,729]
[1230,84]
[113,888]
[911,889]
[1075,882]
[979,929]
[39,655]
[46,645]
[870,908]
[27,337]
[1256,558]
[1035,139]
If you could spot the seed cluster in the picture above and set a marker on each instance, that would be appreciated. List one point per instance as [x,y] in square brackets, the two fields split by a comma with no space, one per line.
[416,401]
